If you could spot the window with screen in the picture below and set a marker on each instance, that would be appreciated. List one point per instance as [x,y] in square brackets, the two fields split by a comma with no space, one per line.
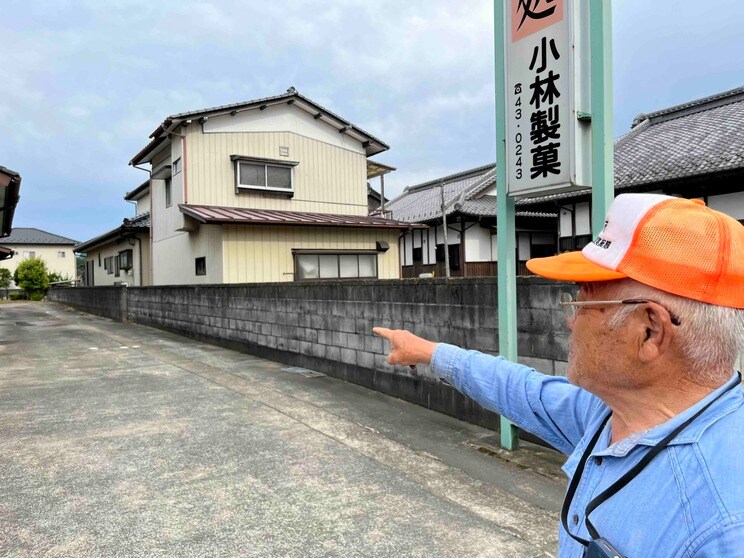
[335,266]
[201,266]
[263,174]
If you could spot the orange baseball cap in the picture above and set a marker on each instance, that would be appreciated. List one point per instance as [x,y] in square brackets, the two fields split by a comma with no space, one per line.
[673,244]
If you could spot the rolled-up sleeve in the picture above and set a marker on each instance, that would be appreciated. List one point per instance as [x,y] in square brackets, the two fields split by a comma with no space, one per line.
[547,406]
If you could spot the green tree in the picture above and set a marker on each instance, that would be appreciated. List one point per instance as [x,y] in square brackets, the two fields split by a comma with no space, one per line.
[55,277]
[5,279]
[32,276]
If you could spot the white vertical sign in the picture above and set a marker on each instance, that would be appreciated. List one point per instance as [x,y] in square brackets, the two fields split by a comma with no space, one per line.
[548,147]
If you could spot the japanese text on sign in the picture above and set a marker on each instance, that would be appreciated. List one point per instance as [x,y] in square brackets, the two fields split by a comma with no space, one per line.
[540,111]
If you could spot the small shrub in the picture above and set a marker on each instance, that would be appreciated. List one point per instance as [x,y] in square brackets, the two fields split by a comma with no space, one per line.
[17,295]
[32,276]
[36,296]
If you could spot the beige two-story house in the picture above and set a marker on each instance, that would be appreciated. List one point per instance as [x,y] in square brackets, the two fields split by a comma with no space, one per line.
[53,249]
[273,189]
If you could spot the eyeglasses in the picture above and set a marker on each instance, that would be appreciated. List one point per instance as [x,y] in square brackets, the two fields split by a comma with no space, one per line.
[569,306]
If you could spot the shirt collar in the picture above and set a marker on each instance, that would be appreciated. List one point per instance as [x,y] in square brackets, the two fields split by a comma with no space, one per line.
[725,405]
[728,403]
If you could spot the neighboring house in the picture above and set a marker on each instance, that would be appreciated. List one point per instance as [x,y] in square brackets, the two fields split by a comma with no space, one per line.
[55,250]
[693,150]
[470,202]
[267,190]
[10,185]
[121,256]
[374,199]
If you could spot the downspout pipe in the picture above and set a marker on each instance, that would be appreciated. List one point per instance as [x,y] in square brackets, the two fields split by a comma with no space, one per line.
[139,241]
[183,150]
[148,171]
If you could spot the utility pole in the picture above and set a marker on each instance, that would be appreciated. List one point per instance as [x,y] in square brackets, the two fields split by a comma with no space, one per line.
[444,226]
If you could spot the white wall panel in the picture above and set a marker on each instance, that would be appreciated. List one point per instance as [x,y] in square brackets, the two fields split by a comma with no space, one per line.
[566,222]
[282,118]
[477,244]
[174,257]
[583,219]
[523,246]
[730,204]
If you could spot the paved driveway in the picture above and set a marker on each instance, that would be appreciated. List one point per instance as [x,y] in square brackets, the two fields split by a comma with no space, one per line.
[122,440]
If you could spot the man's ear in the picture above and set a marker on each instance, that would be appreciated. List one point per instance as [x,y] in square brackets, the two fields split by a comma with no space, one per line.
[654,332]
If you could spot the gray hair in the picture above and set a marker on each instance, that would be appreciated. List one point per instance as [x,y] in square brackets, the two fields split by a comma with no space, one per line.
[710,337]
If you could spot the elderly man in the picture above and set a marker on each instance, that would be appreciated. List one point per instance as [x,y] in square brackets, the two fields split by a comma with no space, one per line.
[651,411]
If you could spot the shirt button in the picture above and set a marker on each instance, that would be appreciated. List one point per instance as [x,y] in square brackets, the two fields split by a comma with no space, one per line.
[598,460]
[575,519]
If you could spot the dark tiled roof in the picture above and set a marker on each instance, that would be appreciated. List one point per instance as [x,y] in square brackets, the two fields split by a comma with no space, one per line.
[693,139]
[228,215]
[20,235]
[422,202]
[138,223]
[141,221]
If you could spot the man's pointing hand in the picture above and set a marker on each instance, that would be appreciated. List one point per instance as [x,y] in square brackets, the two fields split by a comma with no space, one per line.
[405,347]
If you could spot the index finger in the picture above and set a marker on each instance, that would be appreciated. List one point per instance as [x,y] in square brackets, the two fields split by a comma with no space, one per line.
[383,332]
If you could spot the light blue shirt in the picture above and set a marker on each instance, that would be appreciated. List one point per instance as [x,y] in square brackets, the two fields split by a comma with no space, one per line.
[688,502]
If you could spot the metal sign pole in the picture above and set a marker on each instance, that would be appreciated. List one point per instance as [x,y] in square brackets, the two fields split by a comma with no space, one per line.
[603,185]
[505,228]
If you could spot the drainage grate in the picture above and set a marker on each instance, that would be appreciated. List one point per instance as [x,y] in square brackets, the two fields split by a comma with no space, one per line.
[303,372]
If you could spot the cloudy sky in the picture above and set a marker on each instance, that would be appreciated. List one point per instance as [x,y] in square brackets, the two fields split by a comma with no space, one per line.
[83,82]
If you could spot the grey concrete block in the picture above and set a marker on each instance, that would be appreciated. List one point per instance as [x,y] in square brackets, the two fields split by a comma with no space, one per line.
[373,344]
[347,325]
[338,338]
[381,364]
[542,365]
[318,350]
[355,341]
[305,347]
[561,368]
[333,353]
[325,337]
[348,356]
[365,360]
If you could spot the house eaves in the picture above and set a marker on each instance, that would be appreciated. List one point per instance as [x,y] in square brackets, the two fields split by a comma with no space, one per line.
[370,143]
[138,192]
[10,182]
[138,223]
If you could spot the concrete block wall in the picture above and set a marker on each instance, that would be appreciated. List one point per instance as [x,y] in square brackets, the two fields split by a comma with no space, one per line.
[109,302]
[327,326]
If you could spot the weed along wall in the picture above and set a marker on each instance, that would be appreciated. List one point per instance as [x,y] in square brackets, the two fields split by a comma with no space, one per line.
[327,326]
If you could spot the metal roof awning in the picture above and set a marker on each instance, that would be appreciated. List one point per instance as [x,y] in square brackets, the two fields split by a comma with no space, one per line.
[375,169]
[238,215]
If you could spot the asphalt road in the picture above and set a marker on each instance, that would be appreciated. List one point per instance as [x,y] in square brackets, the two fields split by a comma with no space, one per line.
[123,440]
